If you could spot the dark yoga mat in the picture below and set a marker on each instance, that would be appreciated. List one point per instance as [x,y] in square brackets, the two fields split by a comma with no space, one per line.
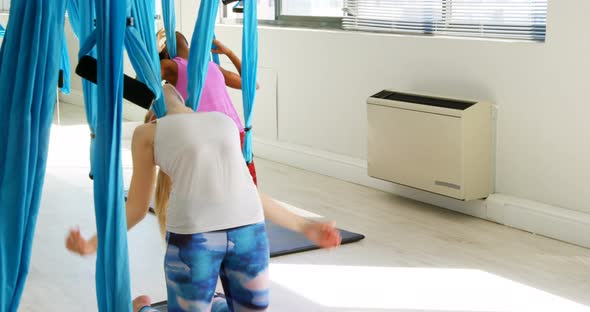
[284,242]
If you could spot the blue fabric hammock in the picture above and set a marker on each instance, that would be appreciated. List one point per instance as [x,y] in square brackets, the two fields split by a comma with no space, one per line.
[249,71]
[28,79]
[65,65]
[143,50]
[134,30]
[112,263]
[112,274]
[170,26]
[81,14]
[199,53]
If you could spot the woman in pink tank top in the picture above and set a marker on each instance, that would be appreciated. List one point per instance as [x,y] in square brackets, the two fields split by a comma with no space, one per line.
[215,97]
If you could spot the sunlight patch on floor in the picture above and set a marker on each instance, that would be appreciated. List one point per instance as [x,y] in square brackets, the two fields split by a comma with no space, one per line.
[415,289]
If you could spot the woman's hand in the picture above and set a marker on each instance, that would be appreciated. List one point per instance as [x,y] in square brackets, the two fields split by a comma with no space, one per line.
[78,244]
[323,234]
[221,48]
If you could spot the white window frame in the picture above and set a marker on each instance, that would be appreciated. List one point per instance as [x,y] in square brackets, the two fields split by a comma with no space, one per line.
[282,20]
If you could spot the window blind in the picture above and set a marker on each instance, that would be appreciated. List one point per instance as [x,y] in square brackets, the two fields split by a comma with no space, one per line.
[503,19]
[4,6]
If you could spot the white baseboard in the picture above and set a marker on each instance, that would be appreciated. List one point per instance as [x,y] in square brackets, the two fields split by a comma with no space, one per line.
[551,221]
[555,222]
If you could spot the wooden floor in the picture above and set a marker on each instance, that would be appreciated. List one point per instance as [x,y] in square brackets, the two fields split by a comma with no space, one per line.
[416,257]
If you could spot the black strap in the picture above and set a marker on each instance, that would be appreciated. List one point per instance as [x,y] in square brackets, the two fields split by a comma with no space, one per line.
[134,90]
[60,79]
[239,7]
[90,175]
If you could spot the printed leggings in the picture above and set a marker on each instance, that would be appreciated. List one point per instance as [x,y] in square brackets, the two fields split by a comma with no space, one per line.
[238,256]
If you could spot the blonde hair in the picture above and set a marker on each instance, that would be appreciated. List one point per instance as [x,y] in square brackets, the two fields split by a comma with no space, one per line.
[163,187]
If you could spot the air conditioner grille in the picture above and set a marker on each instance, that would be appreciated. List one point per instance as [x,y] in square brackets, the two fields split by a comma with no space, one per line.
[424,100]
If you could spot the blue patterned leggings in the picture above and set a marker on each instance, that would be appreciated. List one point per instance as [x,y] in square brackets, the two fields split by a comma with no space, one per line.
[238,256]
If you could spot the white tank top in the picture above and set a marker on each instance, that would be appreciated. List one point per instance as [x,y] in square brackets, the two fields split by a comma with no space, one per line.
[211,186]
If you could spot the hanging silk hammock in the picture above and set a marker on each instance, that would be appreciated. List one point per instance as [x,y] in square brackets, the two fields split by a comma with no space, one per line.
[134,30]
[81,16]
[29,67]
[170,26]
[112,264]
[64,67]
[199,54]
[147,67]
[249,71]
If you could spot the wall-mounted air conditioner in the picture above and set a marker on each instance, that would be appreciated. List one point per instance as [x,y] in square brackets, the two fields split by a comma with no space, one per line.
[435,144]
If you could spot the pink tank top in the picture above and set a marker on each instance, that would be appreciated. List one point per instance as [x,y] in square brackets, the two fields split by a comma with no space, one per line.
[215,97]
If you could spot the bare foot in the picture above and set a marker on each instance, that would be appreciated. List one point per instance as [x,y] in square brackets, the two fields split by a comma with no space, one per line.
[140,302]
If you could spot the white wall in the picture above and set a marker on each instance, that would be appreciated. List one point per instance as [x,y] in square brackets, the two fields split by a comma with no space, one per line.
[324,78]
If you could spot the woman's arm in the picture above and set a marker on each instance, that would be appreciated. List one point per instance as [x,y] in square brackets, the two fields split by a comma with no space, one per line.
[143,179]
[232,79]
[278,214]
[323,234]
[222,49]
[140,190]
[182,49]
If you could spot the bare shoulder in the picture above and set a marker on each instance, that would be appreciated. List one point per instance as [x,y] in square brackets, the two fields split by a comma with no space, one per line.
[144,134]
[167,64]
[169,70]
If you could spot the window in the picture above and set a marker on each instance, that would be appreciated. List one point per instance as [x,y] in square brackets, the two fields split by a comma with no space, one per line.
[505,19]
[266,11]
[300,13]
[4,6]
[325,8]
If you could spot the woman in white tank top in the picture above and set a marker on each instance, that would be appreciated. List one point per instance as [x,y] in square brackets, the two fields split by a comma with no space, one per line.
[209,210]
